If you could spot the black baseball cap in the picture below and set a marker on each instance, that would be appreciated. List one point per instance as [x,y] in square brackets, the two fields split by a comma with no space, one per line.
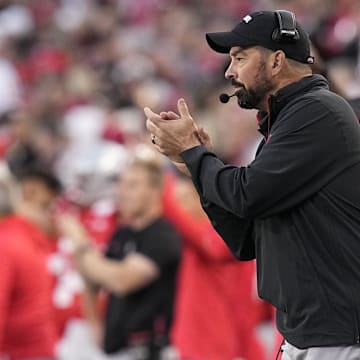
[262,28]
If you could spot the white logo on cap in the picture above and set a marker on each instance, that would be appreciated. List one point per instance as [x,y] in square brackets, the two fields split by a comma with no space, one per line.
[247,19]
[310,60]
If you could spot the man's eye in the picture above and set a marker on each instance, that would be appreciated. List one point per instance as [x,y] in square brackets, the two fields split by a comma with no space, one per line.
[238,58]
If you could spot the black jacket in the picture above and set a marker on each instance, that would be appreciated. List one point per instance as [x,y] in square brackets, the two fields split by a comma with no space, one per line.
[296,209]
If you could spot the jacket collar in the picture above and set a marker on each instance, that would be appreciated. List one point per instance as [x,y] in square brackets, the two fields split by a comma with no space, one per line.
[278,101]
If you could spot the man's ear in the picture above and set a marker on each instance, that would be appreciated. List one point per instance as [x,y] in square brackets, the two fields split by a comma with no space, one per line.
[278,60]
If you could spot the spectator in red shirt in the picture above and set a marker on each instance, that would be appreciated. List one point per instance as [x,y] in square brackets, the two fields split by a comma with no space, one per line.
[216,307]
[27,330]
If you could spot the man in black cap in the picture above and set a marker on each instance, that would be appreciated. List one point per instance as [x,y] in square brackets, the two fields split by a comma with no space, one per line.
[296,207]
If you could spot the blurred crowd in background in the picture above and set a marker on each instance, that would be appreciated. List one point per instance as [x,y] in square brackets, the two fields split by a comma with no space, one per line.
[74,78]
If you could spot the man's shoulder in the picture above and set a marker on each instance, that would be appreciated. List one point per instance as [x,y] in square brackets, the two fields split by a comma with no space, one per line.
[14,237]
[322,98]
[325,96]
[319,103]
[160,242]
[334,107]
[13,225]
[161,225]
[162,231]
[159,231]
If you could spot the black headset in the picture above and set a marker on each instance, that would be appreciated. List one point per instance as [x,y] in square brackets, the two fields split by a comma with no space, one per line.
[287,31]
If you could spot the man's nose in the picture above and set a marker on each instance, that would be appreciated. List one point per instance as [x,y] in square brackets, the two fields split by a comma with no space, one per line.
[229,73]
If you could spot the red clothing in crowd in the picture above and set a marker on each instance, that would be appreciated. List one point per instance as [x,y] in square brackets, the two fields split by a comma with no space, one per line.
[26,322]
[215,311]
[100,225]
[68,286]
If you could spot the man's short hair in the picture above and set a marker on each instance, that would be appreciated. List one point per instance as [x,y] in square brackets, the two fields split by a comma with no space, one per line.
[45,177]
[153,168]
[293,63]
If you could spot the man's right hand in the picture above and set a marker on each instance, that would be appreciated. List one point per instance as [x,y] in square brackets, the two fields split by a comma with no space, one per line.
[203,136]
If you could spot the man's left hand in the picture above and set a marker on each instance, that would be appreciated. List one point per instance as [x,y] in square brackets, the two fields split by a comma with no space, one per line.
[171,137]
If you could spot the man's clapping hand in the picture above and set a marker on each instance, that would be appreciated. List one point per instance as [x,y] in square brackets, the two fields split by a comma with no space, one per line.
[174,133]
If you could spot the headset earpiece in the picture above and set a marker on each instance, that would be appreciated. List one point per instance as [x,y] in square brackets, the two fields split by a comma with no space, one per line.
[287,27]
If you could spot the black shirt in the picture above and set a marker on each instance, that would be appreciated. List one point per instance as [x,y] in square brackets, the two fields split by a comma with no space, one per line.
[296,209]
[145,313]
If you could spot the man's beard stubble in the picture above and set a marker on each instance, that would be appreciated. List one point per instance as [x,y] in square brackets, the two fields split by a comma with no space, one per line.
[251,98]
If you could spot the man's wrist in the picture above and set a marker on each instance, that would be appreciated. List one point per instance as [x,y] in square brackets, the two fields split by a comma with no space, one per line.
[181,166]
[192,142]
[192,158]
[185,154]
